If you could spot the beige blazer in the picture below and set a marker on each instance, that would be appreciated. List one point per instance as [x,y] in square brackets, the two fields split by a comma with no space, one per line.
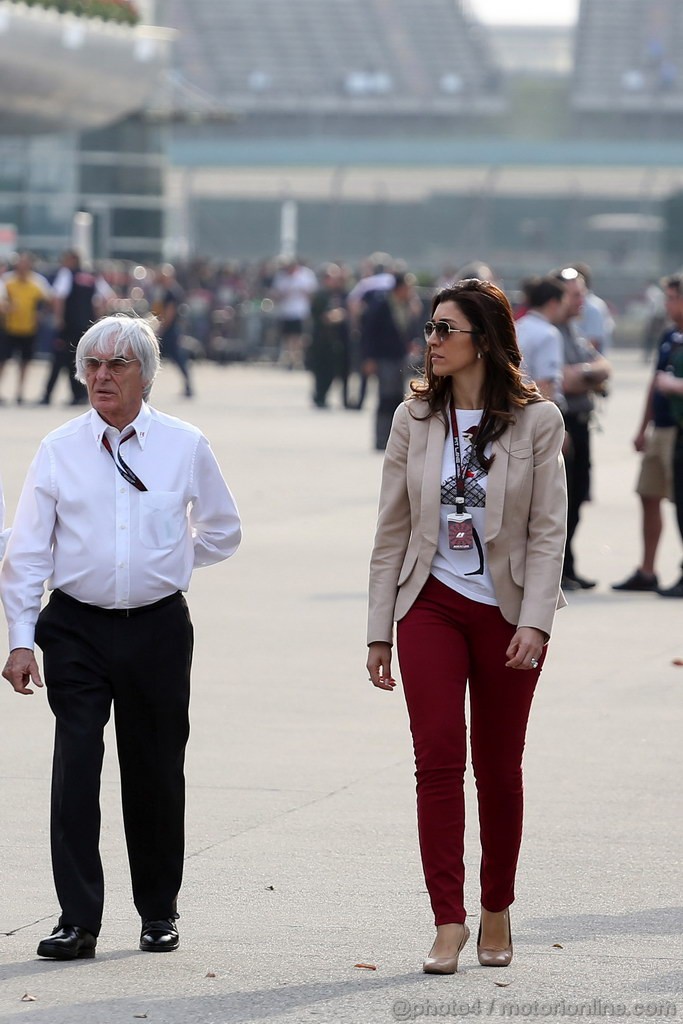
[526,517]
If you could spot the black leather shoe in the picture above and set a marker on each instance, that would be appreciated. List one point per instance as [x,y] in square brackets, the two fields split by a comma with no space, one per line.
[68,942]
[159,936]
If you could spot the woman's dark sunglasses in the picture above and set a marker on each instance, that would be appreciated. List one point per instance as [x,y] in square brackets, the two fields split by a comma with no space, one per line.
[443,329]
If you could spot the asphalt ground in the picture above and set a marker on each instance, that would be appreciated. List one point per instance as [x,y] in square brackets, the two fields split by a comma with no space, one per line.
[302,858]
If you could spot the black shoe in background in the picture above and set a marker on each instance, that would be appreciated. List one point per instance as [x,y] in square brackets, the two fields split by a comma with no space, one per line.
[675,591]
[639,582]
[580,581]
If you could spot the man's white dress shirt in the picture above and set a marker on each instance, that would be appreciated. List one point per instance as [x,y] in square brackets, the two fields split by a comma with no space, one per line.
[83,528]
[4,534]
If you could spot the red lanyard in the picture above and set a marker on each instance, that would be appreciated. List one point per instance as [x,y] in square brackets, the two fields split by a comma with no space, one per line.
[124,469]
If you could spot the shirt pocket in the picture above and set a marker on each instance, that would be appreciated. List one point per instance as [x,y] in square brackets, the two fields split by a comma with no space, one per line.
[163,518]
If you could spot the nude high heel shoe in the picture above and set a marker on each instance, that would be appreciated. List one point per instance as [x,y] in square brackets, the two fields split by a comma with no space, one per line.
[446,964]
[495,957]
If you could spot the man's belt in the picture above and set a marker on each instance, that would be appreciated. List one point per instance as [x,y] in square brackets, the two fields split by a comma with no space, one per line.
[118,613]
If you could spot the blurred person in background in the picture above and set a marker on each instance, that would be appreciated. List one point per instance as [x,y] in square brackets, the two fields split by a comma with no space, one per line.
[585,374]
[467,559]
[388,344]
[655,440]
[328,354]
[476,270]
[23,294]
[596,323]
[80,298]
[655,322]
[375,280]
[669,382]
[539,340]
[166,303]
[293,288]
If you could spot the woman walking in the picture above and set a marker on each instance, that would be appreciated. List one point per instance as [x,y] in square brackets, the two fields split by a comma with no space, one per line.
[468,561]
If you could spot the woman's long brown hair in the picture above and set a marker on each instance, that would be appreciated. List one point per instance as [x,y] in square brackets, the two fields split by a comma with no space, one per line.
[505,389]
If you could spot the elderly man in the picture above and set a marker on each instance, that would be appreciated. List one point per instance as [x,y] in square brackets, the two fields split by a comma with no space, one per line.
[118,507]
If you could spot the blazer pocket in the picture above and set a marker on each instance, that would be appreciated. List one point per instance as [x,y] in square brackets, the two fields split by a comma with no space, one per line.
[409,563]
[517,568]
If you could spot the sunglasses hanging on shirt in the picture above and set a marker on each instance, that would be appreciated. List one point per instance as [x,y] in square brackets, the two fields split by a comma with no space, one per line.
[124,469]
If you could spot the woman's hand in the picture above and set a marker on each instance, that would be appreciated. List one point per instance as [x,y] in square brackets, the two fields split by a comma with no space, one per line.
[379,665]
[526,646]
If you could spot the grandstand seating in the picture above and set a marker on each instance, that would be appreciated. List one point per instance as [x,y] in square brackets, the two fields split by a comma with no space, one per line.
[629,56]
[336,55]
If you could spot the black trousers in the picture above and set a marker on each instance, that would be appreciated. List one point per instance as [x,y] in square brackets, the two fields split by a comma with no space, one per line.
[578,468]
[141,664]
[64,358]
[390,386]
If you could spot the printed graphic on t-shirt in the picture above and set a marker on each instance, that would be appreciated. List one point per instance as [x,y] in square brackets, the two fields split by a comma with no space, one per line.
[475,495]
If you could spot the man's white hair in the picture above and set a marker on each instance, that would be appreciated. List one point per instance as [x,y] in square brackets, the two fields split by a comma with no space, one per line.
[122,335]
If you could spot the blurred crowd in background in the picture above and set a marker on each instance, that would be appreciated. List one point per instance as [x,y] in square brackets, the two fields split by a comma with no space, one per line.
[277,310]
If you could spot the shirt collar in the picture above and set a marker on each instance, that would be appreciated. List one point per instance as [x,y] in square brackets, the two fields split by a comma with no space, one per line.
[140,426]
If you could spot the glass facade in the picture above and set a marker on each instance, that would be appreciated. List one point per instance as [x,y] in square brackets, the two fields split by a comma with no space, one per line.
[116,173]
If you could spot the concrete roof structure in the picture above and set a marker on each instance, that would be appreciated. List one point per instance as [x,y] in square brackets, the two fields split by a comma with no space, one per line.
[59,72]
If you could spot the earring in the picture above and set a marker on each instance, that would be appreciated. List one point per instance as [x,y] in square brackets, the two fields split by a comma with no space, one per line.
[478,355]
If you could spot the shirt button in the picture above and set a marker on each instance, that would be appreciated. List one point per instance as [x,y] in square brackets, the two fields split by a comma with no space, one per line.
[122,565]
[123,526]
[122,490]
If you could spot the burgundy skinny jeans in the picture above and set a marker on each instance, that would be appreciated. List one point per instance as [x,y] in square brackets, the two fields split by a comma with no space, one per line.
[444,641]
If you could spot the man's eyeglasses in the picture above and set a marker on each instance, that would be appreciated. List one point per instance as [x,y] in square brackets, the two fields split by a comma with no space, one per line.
[442,329]
[115,366]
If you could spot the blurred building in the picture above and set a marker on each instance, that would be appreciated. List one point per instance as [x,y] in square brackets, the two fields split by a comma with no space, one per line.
[406,126]
[399,125]
[73,131]
[628,69]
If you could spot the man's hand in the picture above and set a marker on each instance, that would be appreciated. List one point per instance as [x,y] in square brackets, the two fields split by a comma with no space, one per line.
[379,666]
[640,440]
[22,669]
[667,384]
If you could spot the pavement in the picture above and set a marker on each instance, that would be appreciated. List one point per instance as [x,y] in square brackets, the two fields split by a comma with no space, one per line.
[302,858]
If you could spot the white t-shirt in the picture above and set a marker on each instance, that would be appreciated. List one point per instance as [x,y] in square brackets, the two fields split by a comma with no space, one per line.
[293,292]
[464,571]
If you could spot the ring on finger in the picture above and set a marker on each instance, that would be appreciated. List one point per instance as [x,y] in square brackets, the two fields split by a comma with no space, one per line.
[534,663]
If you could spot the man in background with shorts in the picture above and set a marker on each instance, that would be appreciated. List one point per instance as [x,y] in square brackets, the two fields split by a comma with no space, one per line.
[22,292]
[655,439]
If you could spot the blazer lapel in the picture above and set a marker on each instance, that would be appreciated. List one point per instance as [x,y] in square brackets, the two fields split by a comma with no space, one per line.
[431,480]
[495,487]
